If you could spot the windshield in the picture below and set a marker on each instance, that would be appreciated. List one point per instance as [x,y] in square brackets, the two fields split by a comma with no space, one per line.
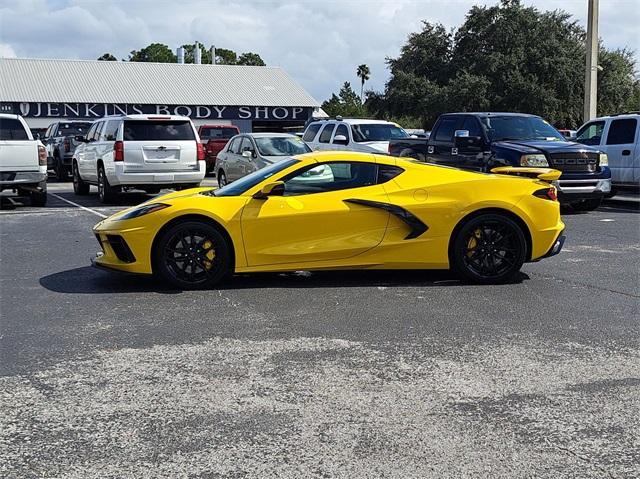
[218,133]
[73,129]
[281,146]
[377,132]
[243,184]
[519,128]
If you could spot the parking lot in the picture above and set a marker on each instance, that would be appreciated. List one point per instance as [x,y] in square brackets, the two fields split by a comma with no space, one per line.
[333,374]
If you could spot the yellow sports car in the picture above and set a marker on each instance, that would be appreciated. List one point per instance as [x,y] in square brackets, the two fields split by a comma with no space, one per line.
[341,210]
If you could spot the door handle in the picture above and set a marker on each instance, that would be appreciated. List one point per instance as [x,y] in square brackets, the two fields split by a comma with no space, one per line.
[626,152]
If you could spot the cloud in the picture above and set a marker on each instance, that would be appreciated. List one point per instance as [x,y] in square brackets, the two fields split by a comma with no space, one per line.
[319,44]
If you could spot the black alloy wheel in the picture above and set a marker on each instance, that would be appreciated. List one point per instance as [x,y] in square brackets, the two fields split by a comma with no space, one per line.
[192,255]
[489,249]
[79,186]
[222,178]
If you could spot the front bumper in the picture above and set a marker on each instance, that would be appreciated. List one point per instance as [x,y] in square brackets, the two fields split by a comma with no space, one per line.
[125,250]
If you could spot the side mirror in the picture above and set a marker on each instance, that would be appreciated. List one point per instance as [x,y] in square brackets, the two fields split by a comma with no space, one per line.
[270,189]
[80,138]
[340,140]
[247,153]
[463,142]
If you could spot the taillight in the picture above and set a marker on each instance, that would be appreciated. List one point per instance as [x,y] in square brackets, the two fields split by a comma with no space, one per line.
[547,194]
[67,145]
[42,156]
[201,156]
[118,151]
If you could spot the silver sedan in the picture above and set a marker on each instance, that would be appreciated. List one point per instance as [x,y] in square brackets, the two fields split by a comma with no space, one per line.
[249,152]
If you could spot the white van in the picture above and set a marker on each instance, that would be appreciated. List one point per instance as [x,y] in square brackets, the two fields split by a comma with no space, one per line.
[619,137]
[368,136]
[147,152]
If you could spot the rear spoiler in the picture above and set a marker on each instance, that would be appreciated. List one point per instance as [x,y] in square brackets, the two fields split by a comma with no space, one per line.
[545,174]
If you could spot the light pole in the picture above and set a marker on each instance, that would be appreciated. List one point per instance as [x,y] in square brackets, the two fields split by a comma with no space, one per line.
[591,74]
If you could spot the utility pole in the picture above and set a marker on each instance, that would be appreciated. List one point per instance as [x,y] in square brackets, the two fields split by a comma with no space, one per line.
[591,74]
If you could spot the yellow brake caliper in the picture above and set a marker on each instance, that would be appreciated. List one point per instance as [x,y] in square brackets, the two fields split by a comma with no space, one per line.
[473,242]
[210,255]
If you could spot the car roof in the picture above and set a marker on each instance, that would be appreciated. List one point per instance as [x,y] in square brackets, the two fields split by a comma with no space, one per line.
[355,121]
[617,117]
[270,135]
[9,115]
[146,117]
[490,113]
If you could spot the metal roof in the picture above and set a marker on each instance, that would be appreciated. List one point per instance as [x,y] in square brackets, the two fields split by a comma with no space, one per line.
[90,81]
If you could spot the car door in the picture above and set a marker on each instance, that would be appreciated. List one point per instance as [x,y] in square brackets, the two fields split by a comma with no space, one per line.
[324,140]
[87,157]
[232,164]
[246,164]
[470,157]
[441,149]
[315,220]
[341,130]
[620,146]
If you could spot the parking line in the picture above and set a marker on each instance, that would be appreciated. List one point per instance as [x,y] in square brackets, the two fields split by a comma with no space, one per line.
[79,206]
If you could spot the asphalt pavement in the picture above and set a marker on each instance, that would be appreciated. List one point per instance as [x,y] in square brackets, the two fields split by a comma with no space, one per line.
[334,374]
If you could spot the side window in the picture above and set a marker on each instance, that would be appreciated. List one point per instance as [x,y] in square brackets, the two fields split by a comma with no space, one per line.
[92,131]
[387,172]
[622,132]
[234,144]
[110,131]
[332,176]
[446,129]
[471,124]
[325,136]
[342,130]
[311,132]
[96,133]
[591,133]
[246,145]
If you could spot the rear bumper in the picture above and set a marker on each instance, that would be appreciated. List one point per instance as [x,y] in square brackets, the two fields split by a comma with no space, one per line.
[557,246]
[119,177]
[10,179]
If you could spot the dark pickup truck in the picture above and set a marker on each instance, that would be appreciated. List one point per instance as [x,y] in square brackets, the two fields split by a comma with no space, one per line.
[60,142]
[482,141]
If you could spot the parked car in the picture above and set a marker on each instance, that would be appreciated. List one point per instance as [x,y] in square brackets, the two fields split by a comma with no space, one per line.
[368,136]
[60,142]
[215,138]
[619,137]
[482,141]
[374,212]
[23,160]
[247,153]
[147,152]
[568,134]
[38,133]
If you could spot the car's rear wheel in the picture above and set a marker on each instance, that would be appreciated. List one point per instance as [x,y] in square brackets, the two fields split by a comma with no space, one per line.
[106,192]
[222,178]
[192,255]
[488,249]
[152,191]
[61,171]
[79,186]
[39,198]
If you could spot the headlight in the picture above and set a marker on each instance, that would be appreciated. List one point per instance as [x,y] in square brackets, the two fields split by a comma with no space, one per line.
[143,210]
[534,160]
[604,159]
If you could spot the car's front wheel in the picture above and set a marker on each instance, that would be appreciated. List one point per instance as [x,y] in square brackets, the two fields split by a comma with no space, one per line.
[192,255]
[488,249]
[222,178]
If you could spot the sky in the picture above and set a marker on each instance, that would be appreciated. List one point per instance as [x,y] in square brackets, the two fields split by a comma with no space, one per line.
[319,43]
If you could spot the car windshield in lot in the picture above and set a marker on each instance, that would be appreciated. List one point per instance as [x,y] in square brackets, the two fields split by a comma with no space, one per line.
[144,130]
[238,187]
[73,129]
[281,146]
[513,127]
[218,133]
[377,132]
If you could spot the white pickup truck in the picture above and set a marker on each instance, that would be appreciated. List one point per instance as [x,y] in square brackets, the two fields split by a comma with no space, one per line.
[23,160]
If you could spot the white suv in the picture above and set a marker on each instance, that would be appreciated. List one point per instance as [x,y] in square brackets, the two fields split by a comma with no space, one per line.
[147,152]
[619,137]
[368,136]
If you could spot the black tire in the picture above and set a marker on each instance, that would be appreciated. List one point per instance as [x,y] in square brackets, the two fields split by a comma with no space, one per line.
[587,205]
[62,173]
[80,188]
[222,178]
[106,192]
[208,263]
[489,249]
[39,198]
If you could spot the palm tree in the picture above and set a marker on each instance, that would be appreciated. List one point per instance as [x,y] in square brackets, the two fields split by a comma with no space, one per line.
[363,73]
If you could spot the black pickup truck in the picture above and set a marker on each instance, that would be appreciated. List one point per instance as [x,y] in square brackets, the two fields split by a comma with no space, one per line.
[482,141]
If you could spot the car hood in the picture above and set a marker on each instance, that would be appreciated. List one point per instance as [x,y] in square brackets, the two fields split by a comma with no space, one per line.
[544,146]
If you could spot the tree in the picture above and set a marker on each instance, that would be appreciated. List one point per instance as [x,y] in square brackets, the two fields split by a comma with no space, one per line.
[346,103]
[108,57]
[250,58]
[156,52]
[505,57]
[363,73]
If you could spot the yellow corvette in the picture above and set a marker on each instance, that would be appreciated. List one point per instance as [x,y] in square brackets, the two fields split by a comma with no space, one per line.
[341,210]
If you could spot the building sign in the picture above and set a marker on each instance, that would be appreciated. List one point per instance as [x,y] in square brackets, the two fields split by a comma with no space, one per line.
[208,112]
